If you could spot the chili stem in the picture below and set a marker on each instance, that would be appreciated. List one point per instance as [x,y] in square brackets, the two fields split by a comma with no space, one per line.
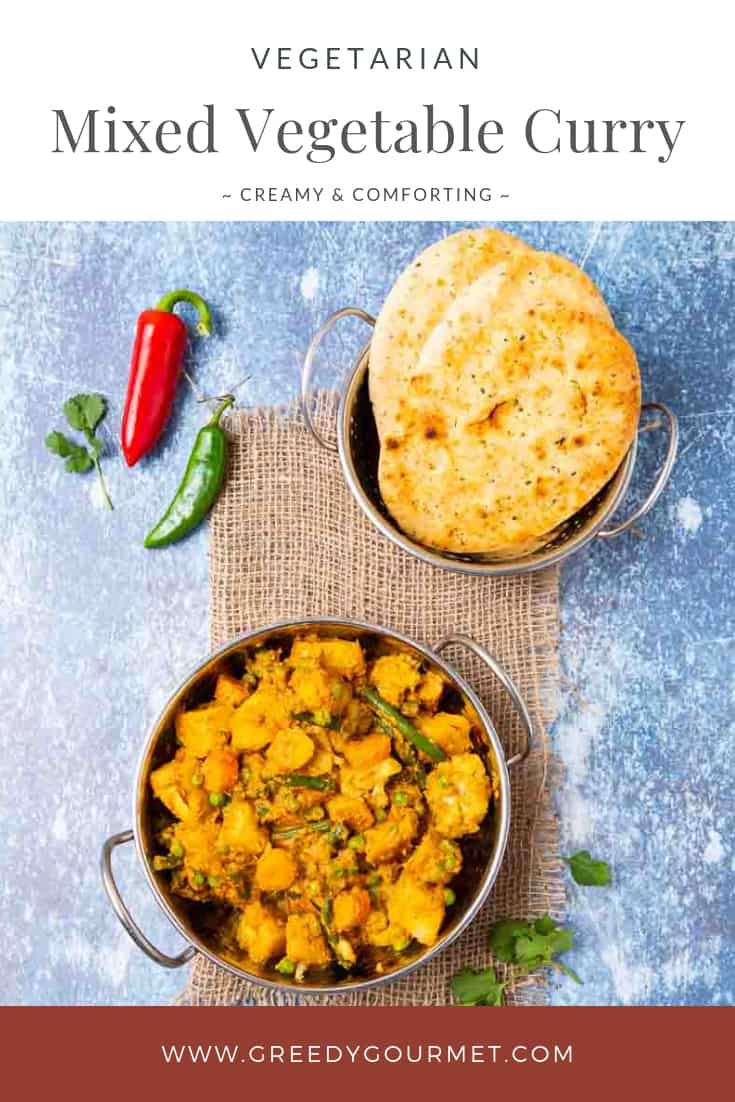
[173,298]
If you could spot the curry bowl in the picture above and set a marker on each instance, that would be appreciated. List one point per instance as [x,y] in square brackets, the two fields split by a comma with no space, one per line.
[200,923]
[358,447]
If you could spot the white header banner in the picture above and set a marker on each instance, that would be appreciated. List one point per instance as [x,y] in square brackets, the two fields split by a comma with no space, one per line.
[392,111]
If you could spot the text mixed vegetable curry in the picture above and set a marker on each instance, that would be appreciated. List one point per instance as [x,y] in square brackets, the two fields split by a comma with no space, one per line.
[319,799]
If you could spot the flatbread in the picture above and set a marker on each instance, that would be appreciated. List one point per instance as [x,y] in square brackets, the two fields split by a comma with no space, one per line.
[503,395]
[517,423]
[421,296]
[504,279]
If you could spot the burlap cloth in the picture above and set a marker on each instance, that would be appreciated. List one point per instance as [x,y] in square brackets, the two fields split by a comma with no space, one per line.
[287,540]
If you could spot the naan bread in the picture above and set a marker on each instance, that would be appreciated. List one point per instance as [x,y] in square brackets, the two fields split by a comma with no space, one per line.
[421,297]
[504,404]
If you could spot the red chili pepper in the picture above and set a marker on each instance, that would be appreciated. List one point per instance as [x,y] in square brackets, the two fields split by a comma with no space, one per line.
[158,355]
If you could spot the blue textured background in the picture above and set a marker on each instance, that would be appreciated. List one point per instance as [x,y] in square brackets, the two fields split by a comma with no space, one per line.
[95,630]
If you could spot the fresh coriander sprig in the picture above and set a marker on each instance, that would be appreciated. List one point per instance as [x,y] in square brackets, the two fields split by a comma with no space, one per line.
[532,945]
[84,412]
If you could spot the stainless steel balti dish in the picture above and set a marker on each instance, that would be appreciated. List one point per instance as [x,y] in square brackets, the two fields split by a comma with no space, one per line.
[482,852]
[358,448]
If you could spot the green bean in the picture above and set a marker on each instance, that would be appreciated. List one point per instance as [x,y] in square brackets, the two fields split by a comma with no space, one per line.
[407,729]
[300,780]
[322,718]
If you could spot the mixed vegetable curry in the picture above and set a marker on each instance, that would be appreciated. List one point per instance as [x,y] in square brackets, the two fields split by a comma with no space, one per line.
[319,799]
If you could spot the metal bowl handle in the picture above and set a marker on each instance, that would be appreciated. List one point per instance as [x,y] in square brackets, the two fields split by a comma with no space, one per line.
[124,914]
[506,681]
[663,475]
[307,367]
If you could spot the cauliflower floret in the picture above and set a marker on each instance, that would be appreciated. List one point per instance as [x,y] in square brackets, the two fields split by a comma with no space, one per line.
[370,779]
[351,908]
[430,690]
[435,860]
[312,689]
[261,933]
[289,750]
[240,829]
[276,870]
[305,942]
[416,907]
[458,794]
[386,840]
[394,675]
[451,732]
[256,721]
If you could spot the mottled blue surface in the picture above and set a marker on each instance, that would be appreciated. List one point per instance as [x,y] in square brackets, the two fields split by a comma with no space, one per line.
[95,630]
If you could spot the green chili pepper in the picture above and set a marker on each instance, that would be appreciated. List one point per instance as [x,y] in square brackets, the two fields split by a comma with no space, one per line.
[199,486]
[421,742]
[299,780]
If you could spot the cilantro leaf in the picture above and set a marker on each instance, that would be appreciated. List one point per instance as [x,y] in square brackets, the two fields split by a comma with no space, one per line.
[503,938]
[477,988]
[61,445]
[587,871]
[85,411]
[532,945]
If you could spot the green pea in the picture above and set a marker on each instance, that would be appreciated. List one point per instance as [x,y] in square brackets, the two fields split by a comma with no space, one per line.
[357,841]
[213,881]
[217,799]
[198,880]
[338,690]
[380,815]
[286,967]
[176,849]
[449,897]
[402,944]
[374,880]
[197,780]
[400,798]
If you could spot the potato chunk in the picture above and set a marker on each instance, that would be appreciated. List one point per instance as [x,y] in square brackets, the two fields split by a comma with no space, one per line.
[220,770]
[451,732]
[351,908]
[430,690]
[351,810]
[230,690]
[305,942]
[290,749]
[435,860]
[417,908]
[367,751]
[276,870]
[394,675]
[169,784]
[261,933]
[240,829]
[259,717]
[204,729]
[386,840]
[340,656]
[458,794]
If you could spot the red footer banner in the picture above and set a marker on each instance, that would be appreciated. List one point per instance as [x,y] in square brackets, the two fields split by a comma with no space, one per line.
[349,1053]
